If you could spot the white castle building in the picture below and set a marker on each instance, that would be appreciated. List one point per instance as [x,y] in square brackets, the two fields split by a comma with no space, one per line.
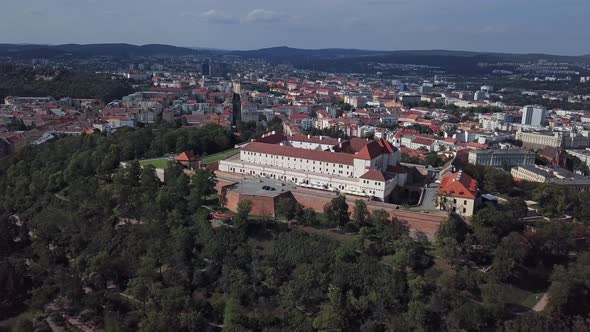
[357,166]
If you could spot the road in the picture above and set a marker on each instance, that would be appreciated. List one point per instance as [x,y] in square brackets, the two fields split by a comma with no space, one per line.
[429,196]
[540,306]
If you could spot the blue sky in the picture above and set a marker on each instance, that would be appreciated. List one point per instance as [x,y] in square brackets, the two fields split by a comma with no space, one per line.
[522,26]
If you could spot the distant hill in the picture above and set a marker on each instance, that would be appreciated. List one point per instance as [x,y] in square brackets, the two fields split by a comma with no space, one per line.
[287,52]
[284,52]
[116,50]
[332,59]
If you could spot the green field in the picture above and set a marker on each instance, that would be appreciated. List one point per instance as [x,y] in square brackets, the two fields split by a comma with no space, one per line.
[219,156]
[156,163]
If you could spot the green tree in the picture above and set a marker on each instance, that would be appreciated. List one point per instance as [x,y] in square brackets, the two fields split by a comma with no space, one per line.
[360,214]
[511,252]
[517,207]
[244,209]
[337,211]
[309,217]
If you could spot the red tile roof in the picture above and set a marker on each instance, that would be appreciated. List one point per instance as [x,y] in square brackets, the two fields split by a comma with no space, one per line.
[396,169]
[299,116]
[273,138]
[369,151]
[458,185]
[423,141]
[314,139]
[185,156]
[373,174]
[288,151]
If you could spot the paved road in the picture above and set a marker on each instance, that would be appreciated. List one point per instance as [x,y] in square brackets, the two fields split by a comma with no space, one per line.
[540,306]
[428,201]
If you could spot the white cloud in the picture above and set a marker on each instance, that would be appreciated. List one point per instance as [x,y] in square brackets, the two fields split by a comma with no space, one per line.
[217,17]
[264,16]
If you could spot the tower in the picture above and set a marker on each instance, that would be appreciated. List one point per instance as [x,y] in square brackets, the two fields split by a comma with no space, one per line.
[236,104]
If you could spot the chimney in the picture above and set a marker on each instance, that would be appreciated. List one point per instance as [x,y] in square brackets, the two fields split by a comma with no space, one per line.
[321,137]
[308,136]
[273,132]
[340,140]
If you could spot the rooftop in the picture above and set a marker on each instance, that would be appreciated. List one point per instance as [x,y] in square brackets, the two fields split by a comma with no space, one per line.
[262,187]
[288,151]
[458,185]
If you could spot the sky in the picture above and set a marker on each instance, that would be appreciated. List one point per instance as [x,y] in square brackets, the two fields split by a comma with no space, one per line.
[518,26]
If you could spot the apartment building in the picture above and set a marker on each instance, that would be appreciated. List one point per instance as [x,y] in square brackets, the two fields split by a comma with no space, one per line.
[541,139]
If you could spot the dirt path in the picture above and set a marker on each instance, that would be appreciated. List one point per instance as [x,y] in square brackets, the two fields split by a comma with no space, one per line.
[540,306]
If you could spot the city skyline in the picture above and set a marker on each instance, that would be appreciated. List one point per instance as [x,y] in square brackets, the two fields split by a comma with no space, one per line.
[501,26]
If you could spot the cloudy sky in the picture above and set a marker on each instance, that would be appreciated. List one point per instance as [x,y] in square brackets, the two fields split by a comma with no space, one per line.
[551,26]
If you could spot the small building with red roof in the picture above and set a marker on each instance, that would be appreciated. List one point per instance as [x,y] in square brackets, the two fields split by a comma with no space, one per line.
[188,160]
[458,193]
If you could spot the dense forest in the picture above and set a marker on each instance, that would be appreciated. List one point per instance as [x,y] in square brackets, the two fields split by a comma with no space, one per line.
[83,238]
[26,82]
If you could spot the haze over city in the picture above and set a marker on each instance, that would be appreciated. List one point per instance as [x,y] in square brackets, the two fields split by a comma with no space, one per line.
[519,26]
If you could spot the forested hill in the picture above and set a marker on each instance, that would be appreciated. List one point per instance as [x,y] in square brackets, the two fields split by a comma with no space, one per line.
[22,81]
[85,240]
[77,50]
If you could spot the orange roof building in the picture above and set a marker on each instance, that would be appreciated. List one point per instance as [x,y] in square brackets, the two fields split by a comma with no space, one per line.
[458,193]
[187,159]
[357,166]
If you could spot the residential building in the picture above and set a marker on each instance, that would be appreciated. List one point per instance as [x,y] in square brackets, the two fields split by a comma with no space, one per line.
[557,139]
[480,96]
[534,115]
[458,193]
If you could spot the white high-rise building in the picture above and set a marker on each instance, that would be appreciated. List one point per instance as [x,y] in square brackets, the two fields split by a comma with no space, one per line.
[534,115]
[480,96]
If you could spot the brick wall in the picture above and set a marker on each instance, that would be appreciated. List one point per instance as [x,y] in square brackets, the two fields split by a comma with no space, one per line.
[263,206]
[417,221]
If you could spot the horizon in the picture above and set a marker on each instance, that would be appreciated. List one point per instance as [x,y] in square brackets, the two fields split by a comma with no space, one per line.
[299,48]
[503,26]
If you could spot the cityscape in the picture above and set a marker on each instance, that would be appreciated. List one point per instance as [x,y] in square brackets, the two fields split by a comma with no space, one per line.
[170,188]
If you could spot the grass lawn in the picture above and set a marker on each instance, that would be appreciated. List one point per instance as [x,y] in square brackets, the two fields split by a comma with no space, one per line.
[219,156]
[156,163]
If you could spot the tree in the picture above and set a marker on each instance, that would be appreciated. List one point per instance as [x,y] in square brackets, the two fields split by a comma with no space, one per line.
[517,207]
[380,216]
[232,314]
[360,214]
[453,227]
[500,222]
[511,251]
[433,159]
[568,293]
[331,315]
[337,211]
[203,184]
[244,209]
[287,207]
[553,200]
[309,217]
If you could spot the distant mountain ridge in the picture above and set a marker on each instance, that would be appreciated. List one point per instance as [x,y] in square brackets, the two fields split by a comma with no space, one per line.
[113,49]
[334,58]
